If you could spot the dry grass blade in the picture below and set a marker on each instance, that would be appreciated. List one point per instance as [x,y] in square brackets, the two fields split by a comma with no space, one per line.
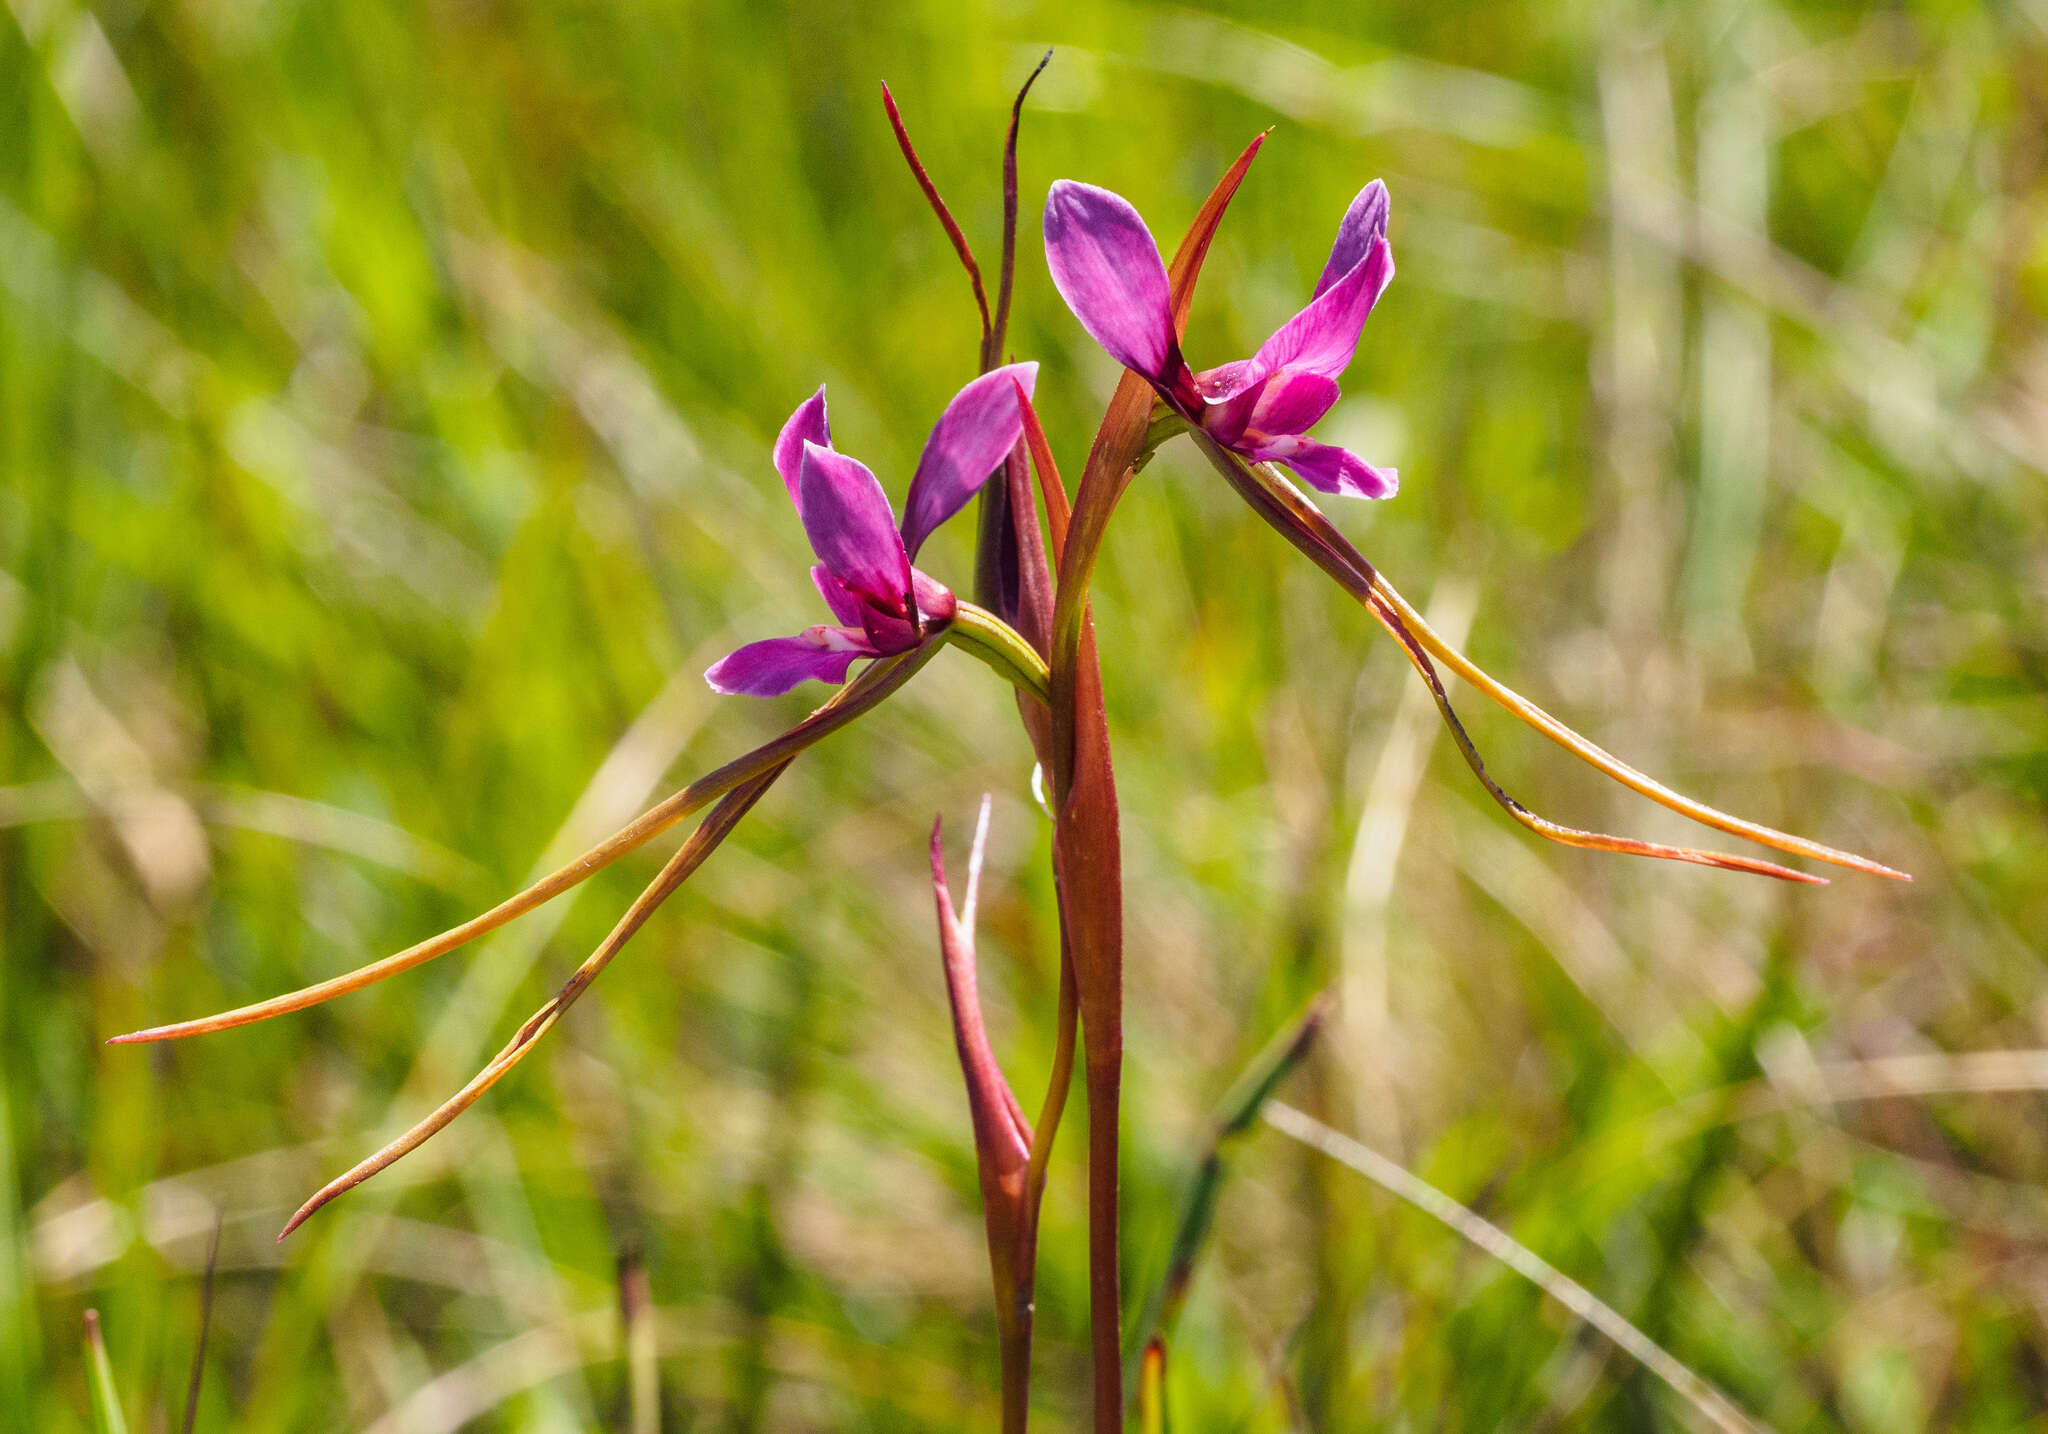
[870,688]
[1396,1180]
[1358,577]
[687,859]
[931,197]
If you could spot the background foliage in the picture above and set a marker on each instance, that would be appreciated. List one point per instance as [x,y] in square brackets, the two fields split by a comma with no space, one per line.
[385,395]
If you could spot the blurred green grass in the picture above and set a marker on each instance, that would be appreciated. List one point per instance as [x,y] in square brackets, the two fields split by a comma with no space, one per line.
[385,397]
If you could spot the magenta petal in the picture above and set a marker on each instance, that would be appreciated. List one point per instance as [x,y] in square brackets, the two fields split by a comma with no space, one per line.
[845,606]
[1332,470]
[1291,402]
[887,633]
[806,425]
[1227,421]
[966,445]
[851,529]
[1364,224]
[1227,381]
[935,601]
[1322,337]
[1107,268]
[771,668]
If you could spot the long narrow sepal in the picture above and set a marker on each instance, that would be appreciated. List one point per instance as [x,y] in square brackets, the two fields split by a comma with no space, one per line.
[865,692]
[687,859]
[1610,765]
[1359,577]
[945,215]
[1152,1389]
[1006,279]
[1283,508]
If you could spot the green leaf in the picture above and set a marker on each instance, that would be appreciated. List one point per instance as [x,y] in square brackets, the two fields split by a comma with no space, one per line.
[106,1405]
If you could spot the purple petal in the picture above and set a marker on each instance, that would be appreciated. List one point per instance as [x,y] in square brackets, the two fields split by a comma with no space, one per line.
[968,442]
[851,529]
[845,606]
[1291,402]
[1107,268]
[1364,224]
[806,425]
[1323,336]
[1227,381]
[1227,421]
[1329,469]
[935,601]
[771,668]
[887,633]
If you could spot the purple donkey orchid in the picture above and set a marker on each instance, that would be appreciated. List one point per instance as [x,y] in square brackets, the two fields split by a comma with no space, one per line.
[883,605]
[1107,268]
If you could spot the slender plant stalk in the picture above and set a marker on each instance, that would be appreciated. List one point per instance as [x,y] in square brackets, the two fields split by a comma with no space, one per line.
[1087,847]
[205,1326]
[1236,1113]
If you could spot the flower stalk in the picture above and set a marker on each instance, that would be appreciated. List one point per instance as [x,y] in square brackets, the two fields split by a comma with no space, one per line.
[983,635]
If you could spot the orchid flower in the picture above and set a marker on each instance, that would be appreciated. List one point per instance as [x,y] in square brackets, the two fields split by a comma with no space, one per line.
[1107,267]
[882,604]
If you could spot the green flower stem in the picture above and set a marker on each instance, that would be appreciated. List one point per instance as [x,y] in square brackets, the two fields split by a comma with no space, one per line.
[978,631]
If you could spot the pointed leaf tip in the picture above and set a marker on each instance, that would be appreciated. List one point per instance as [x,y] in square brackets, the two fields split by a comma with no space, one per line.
[938,207]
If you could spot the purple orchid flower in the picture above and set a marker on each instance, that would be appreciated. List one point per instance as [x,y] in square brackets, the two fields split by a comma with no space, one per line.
[1107,267]
[882,603]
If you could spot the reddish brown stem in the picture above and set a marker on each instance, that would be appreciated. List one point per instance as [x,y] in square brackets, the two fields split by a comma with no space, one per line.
[1087,846]
[992,346]
[931,197]
[1105,1279]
